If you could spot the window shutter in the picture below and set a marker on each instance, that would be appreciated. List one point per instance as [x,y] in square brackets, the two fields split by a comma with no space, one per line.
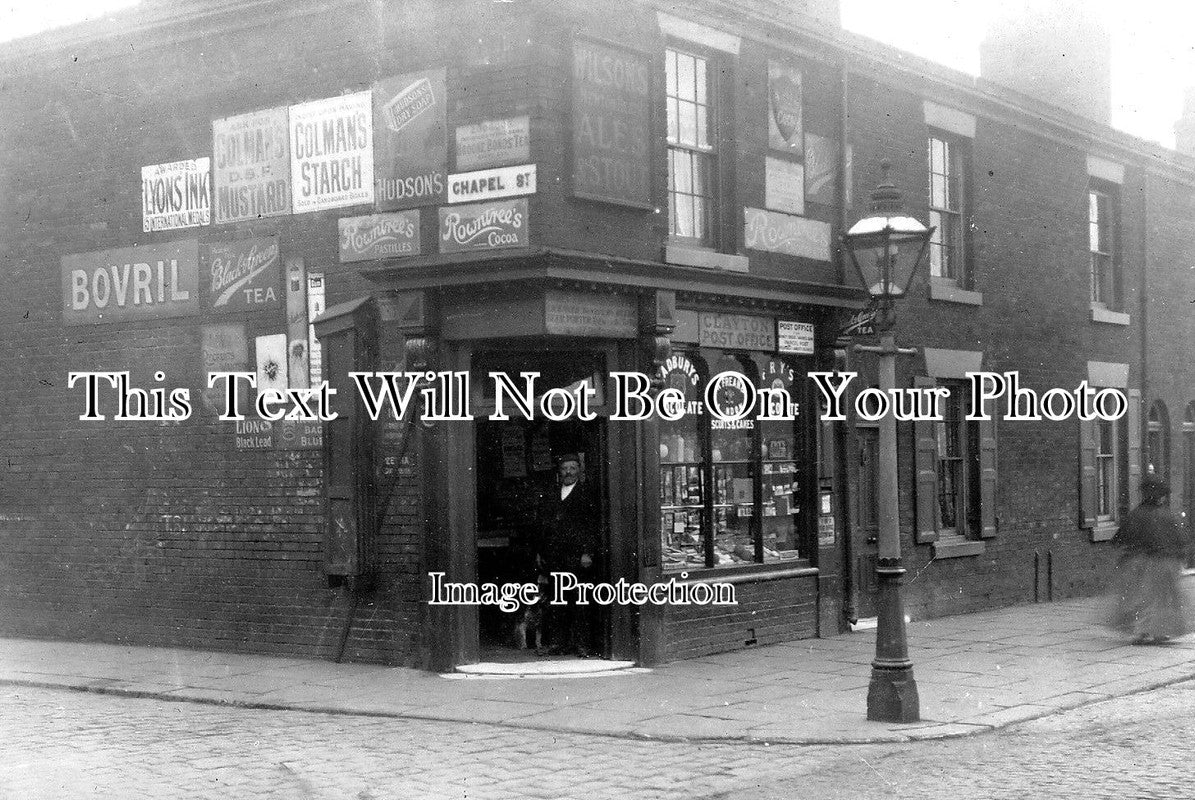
[987,478]
[1087,489]
[925,463]
[1133,436]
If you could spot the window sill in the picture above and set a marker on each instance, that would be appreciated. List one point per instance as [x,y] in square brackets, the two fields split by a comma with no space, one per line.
[707,259]
[948,291]
[957,547]
[1100,313]
[750,573]
[1103,531]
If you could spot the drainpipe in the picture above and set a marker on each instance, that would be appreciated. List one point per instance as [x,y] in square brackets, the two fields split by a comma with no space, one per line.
[1144,294]
[843,448]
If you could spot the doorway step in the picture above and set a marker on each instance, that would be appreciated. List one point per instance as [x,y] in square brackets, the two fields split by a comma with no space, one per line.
[545,668]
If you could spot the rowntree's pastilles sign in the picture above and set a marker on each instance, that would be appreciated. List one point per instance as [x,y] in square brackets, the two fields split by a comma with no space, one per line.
[484,226]
[148,282]
[331,152]
[252,165]
[611,119]
[176,195]
[379,236]
[245,275]
[411,131]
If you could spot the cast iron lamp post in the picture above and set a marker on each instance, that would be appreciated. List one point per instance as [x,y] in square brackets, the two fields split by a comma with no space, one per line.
[886,248]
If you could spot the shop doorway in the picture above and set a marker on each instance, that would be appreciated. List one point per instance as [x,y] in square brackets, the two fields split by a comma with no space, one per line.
[517,475]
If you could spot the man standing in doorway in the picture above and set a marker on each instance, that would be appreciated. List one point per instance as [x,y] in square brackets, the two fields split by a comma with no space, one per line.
[570,521]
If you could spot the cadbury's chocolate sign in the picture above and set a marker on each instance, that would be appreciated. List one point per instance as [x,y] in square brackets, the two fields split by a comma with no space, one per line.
[483,226]
[379,236]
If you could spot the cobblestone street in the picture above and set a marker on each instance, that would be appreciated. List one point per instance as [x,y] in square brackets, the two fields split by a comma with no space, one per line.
[63,744]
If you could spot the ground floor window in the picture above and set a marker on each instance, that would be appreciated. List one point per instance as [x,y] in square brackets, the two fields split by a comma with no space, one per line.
[733,492]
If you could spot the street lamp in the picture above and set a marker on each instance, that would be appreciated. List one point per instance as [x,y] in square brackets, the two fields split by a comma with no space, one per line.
[886,247]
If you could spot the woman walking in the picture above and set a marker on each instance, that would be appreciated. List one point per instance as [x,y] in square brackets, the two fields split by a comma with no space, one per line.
[1149,604]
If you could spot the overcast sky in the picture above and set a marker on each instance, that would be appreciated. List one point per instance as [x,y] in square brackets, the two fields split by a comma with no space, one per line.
[1153,43]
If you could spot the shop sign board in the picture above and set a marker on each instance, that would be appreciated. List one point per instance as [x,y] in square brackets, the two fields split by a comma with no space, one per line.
[252,165]
[332,152]
[484,226]
[821,169]
[795,337]
[491,184]
[582,314]
[245,275]
[611,124]
[736,331]
[176,195]
[784,185]
[411,127]
[493,143]
[225,349]
[773,232]
[379,236]
[785,109]
[148,282]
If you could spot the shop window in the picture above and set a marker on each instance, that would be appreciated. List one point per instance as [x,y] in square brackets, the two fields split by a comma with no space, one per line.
[1103,214]
[1157,440]
[692,147]
[948,165]
[731,492]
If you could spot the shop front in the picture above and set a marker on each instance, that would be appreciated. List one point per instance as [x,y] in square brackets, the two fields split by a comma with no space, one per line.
[717,497]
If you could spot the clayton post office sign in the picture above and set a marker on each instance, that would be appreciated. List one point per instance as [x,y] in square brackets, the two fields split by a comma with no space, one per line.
[331,152]
[176,195]
[252,169]
[129,283]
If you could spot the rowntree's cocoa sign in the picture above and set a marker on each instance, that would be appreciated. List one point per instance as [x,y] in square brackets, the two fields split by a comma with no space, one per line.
[484,226]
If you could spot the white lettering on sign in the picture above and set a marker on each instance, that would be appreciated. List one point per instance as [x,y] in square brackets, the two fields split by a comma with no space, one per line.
[784,233]
[130,283]
[332,152]
[491,184]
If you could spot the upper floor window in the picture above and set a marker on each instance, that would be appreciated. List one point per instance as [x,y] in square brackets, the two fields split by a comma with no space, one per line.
[947,167]
[1102,214]
[692,152]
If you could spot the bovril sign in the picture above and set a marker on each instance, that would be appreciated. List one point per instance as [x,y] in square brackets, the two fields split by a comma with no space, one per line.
[483,226]
[129,283]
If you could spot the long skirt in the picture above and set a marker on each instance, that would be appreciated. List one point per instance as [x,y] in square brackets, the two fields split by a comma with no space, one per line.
[1148,602]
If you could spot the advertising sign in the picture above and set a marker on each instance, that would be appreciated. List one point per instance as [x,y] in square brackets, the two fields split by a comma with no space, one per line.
[271,362]
[176,195]
[493,143]
[491,184]
[244,275]
[225,349]
[784,109]
[784,185]
[411,131]
[821,169]
[252,165]
[148,282]
[784,233]
[795,337]
[611,121]
[331,154]
[379,236]
[484,226]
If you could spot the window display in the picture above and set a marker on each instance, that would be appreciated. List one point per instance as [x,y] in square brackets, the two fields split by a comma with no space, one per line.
[730,490]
